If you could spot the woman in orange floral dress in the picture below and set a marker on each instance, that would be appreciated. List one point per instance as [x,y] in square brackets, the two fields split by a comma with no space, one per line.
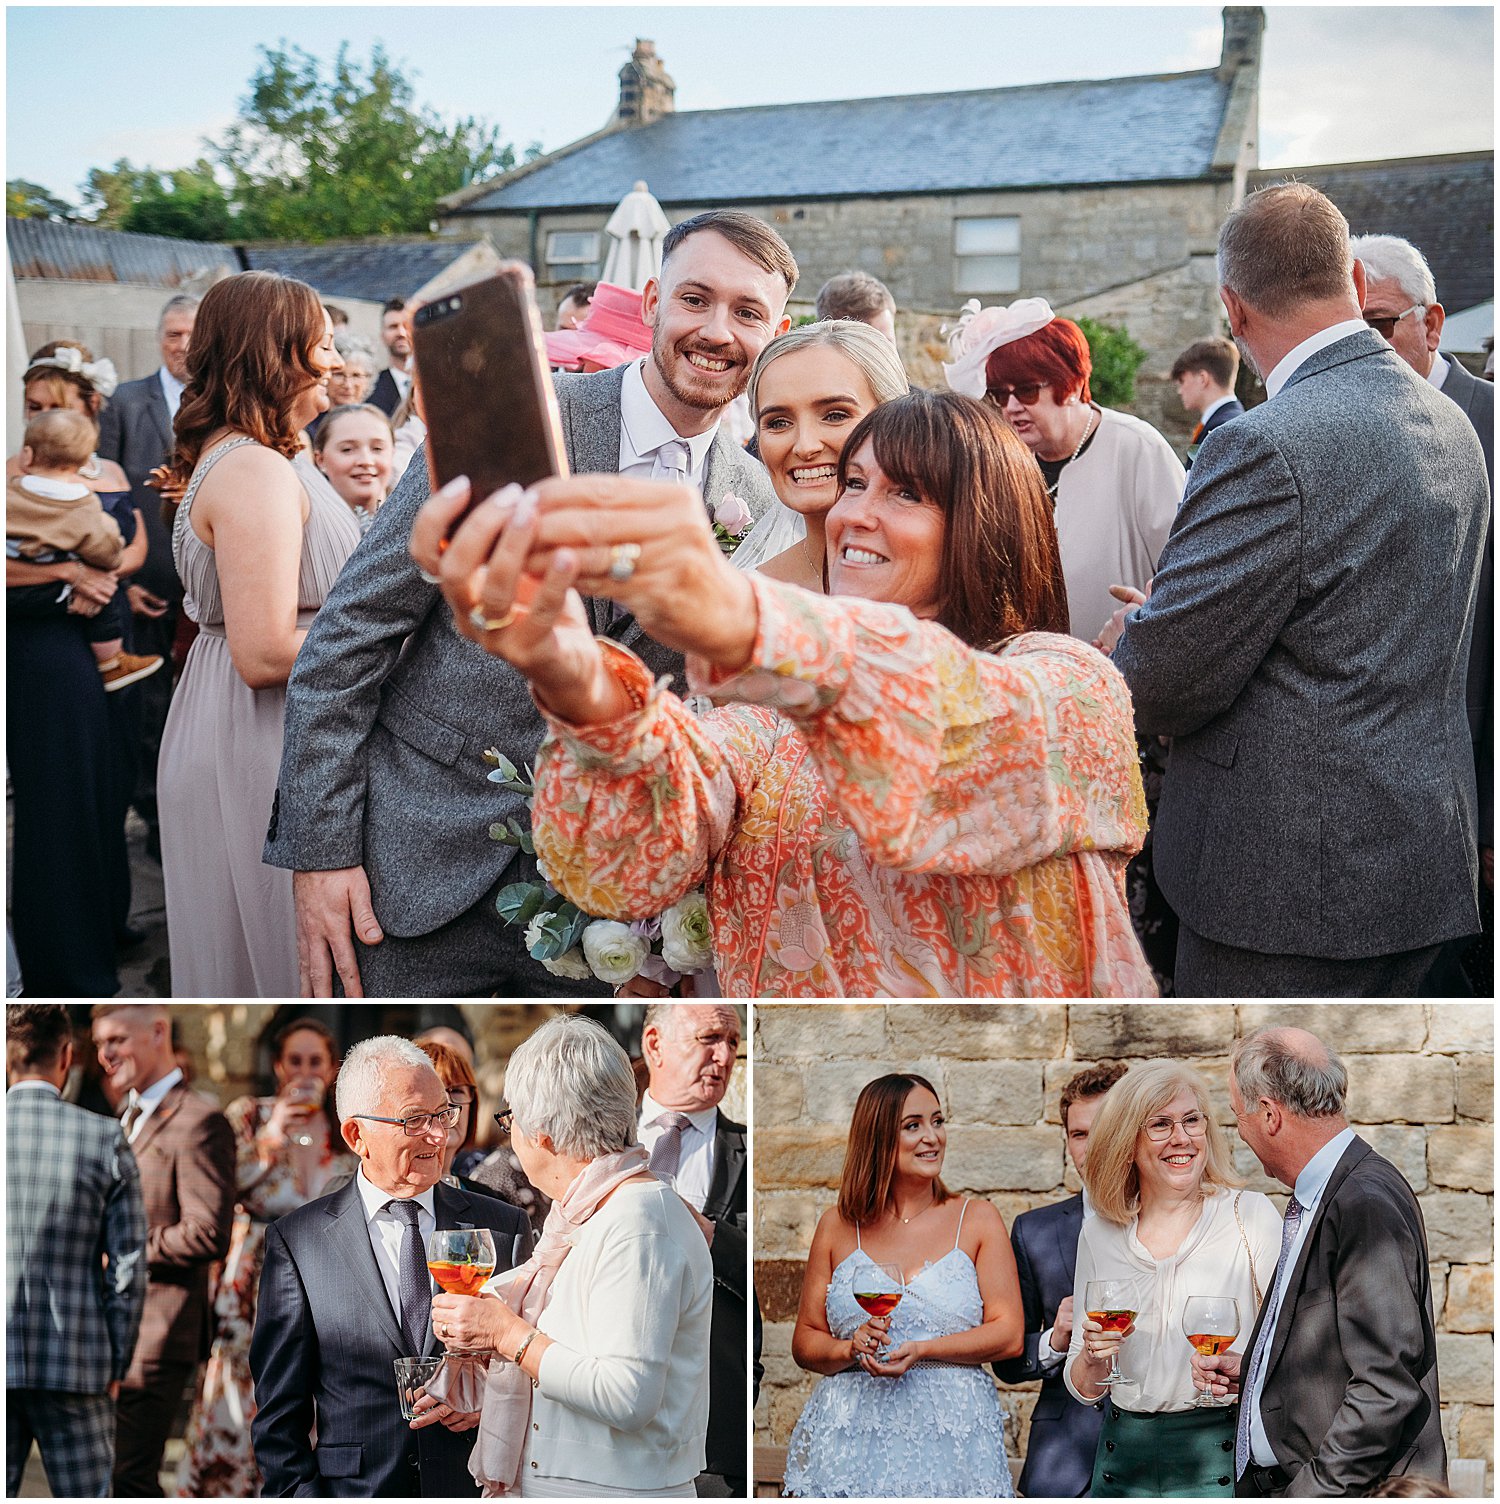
[287,1149]
[928,791]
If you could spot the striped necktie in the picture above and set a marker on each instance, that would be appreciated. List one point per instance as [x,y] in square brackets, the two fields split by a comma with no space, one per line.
[414,1282]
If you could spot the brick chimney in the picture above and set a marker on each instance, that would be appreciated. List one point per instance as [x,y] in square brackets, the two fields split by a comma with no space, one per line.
[1243,25]
[647,91]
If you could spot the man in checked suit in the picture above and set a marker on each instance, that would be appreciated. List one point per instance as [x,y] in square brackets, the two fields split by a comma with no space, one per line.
[383,810]
[71,1195]
[690,1050]
[1339,1381]
[1064,1434]
[345,1291]
[1305,632]
[185,1150]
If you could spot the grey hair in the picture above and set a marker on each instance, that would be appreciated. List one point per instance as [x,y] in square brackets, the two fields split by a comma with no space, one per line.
[1287,245]
[873,353]
[1389,256]
[182,300]
[352,344]
[1266,1065]
[571,1081]
[362,1077]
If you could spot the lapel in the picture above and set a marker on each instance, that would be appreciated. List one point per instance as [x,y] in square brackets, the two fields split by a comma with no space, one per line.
[729,1168]
[1068,1225]
[1459,386]
[349,1238]
[167,1109]
[591,422]
[156,405]
[1359,345]
[1347,1161]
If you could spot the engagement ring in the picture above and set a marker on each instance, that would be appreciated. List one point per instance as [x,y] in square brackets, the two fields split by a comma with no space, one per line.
[622,558]
[482,623]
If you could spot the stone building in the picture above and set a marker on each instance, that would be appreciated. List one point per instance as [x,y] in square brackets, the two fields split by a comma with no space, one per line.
[1421,1091]
[1104,196]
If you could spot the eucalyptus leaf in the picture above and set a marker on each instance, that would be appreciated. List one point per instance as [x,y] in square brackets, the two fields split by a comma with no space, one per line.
[518,902]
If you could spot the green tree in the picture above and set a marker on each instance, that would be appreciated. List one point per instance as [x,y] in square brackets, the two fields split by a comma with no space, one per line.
[24,200]
[188,203]
[1116,358]
[321,155]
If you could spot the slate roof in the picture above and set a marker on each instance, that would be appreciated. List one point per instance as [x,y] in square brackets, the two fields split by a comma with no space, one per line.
[1444,205]
[372,270]
[44,248]
[1125,130]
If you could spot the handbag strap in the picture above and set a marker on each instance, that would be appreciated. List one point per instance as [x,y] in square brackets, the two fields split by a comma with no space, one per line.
[1254,1283]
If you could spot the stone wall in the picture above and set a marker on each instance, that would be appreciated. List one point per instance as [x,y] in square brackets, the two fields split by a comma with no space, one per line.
[1422,1093]
[1139,255]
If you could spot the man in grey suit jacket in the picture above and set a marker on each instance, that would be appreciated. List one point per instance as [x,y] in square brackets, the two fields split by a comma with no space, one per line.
[1305,632]
[1338,1382]
[383,810]
[71,1194]
[135,430]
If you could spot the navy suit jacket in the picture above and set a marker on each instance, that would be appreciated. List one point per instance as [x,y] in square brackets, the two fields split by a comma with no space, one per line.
[726,1208]
[385,394]
[323,1351]
[1234,408]
[135,431]
[1064,1434]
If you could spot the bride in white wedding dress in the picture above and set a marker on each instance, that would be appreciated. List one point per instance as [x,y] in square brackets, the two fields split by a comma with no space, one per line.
[808,389]
[908,1409]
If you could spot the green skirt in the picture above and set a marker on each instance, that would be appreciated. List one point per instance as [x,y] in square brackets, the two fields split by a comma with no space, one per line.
[1183,1454]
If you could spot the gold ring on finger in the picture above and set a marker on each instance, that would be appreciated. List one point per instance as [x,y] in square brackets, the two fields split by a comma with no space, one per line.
[482,623]
[622,561]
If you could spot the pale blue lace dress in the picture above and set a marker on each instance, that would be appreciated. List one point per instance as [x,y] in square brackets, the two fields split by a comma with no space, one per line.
[937,1432]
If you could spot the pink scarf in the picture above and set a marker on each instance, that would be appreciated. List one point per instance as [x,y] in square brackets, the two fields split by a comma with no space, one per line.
[496,1459]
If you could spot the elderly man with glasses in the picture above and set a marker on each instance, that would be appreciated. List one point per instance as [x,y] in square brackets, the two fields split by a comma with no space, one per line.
[346,1291]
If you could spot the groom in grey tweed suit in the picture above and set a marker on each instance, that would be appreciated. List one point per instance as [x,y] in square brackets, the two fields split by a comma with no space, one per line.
[382,810]
[1304,644]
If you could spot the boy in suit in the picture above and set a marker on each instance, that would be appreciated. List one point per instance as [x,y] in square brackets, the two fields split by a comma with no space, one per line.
[1205,374]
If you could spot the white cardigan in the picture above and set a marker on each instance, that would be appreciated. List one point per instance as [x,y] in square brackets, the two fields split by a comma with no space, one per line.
[622,1393]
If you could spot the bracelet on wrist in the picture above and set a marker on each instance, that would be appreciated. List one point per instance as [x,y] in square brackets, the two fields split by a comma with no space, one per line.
[521,1350]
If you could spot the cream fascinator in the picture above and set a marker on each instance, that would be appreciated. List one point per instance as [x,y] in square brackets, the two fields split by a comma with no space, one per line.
[982,331]
[100,374]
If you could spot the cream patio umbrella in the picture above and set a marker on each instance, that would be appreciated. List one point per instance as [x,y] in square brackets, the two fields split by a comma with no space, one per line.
[635,229]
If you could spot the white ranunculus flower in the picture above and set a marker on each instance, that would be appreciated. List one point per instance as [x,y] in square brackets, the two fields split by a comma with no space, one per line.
[686,937]
[571,964]
[534,927]
[614,951]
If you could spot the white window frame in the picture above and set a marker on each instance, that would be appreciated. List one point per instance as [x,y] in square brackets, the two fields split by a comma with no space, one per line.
[590,237]
[973,269]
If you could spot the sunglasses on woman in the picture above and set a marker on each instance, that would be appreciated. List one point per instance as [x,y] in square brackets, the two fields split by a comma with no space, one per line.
[1026,394]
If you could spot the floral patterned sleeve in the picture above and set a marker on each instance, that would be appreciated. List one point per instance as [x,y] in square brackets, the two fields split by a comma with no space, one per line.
[942,758]
[629,814]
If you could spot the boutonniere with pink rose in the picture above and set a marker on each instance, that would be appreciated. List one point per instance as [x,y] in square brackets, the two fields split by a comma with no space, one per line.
[732,519]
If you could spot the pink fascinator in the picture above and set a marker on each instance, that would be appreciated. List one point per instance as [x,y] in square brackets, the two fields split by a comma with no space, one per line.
[982,331]
[612,334]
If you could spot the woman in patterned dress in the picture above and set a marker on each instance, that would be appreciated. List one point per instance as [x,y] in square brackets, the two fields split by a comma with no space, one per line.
[927,791]
[276,1172]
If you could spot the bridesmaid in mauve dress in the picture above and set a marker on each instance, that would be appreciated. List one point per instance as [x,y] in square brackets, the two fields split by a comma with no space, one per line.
[258,554]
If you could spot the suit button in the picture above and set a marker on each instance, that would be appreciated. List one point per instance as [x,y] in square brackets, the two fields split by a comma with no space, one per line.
[1223,1482]
[533,1464]
[535,1427]
[1227,1445]
[1109,1477]
[1109,1446]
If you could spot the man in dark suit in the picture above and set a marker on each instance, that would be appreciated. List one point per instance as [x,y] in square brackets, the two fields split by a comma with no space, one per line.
[1338,1382]
[1401,306]
[71,1194]
[1064,1435]
[393,383]
[1305,633]
[383,808]
[185,1150]
[135,430]
[345,1291]
[690,1050]
[1205,374]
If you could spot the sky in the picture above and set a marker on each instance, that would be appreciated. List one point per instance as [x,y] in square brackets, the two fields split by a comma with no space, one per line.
[1338,83]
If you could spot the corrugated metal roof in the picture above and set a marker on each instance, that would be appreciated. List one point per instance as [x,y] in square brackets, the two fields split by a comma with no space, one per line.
[1444,205]
[45,248]
[373,270]
[1040,135]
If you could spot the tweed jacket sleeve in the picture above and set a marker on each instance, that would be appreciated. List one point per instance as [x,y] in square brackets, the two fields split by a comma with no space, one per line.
[204,1182]
[123,1242]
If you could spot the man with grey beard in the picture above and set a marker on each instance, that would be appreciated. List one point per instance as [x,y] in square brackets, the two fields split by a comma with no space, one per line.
[1304,643]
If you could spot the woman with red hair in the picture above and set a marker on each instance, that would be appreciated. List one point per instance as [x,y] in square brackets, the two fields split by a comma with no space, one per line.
[1114,481]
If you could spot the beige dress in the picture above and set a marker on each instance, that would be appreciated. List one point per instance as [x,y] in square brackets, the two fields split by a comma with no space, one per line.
[230,921]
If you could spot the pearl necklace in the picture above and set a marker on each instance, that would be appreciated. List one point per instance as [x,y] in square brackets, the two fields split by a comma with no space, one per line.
[1088,428]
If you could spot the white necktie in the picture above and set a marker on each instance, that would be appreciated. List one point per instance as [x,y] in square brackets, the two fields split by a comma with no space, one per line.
[673,462]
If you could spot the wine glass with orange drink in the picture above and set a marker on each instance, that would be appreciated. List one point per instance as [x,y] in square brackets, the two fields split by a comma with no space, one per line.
[878,1289]
[1113,1303]
[461,1259]
[1210,1323]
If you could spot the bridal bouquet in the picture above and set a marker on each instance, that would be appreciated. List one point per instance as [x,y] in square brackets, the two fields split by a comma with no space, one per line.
[572,944]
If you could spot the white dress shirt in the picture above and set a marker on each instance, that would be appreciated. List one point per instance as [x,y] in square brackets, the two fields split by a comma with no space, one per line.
[1211,1260]
[147,1100]
[1311,1184]
[172,389]
[1288,364]
[695,1174]
[1436,376]
[402,380]
[387,1232]
[644,429]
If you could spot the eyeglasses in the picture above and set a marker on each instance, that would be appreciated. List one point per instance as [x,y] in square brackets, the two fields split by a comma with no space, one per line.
[1384,324]
[1159,1130]
[419,1122]
[1028,395]
[503,1121]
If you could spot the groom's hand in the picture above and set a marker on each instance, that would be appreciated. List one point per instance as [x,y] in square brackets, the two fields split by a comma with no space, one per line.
[330,907]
